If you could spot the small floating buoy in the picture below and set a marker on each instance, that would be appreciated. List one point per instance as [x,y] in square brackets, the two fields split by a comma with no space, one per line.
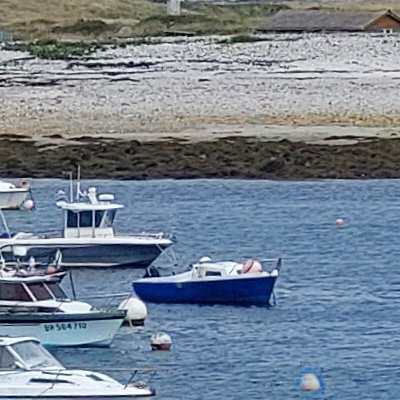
[339,222]
[310,383]
[160,341]
[28,204]
[136,311]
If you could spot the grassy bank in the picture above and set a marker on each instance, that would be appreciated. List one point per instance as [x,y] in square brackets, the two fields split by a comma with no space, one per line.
[105,20]
[64,28]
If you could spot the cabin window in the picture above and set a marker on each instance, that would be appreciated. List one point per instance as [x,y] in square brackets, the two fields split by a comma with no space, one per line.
[55,288]
[109,219]
[6,359]
[213,273]
[98,216]
[13,292]
[72,219]
[86,219]
[39,291]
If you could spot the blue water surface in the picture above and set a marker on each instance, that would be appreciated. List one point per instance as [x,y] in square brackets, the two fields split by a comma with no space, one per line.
[337,298]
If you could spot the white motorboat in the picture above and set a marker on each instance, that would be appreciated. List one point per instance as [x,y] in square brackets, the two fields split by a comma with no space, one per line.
[37,306]
[88,238]
[28,371]
[14,197]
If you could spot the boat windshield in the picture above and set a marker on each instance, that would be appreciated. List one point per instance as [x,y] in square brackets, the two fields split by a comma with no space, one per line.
[7,360]
[35,356]
[39,291]
[55,288]
[84,219]
[13,292]
[46,291]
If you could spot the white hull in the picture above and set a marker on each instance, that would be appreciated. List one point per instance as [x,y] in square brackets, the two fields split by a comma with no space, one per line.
[13,199]
[51,393]
[78,332]
[90,252]
[74,397]
[66,384]
[28,371]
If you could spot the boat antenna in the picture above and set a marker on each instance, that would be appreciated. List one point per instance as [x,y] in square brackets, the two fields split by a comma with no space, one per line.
[78,183]
[3,218]
[71,188]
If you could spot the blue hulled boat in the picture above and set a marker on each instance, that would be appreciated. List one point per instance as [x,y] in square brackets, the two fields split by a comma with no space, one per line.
[208,282]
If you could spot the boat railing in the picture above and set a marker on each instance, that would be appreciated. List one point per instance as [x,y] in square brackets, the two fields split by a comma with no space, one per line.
[113,297]
[155,235]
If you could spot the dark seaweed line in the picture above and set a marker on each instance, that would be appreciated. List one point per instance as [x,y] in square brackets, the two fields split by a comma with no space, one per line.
[235,157]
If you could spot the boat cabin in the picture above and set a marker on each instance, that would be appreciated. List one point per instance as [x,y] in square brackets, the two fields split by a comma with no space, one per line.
[94,218]
[30,290]
[25,353]
[224,268]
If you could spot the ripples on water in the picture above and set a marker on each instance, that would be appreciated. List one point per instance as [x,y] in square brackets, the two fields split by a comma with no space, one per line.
[337,297]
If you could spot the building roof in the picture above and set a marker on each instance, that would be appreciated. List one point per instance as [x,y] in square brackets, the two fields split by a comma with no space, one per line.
[322,20]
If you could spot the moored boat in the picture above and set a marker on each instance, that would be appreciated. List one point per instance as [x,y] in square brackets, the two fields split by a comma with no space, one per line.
[88,237]
[28,371]
[14,197]
[208,282]
[37,306]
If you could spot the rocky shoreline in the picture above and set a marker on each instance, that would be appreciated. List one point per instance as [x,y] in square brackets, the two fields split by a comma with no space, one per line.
[231,157]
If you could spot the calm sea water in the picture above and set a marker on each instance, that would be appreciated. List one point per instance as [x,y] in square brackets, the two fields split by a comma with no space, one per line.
[337,298]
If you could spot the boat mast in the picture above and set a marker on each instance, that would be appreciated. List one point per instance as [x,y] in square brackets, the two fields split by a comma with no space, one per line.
[71,188]
[78,183]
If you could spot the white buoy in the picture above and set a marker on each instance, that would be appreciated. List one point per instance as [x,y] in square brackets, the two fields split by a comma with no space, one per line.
[28,204]
[339,222]
[160,341]
[310,383]
[136,311]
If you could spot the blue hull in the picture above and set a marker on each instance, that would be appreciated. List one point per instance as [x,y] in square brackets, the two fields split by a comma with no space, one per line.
[249,291]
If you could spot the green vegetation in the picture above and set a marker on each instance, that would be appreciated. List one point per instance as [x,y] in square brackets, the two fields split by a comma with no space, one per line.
[52,49]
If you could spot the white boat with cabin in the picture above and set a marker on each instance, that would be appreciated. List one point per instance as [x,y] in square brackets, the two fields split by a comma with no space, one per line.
[13,197]
[88,237]
[28,371]
[37,306]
